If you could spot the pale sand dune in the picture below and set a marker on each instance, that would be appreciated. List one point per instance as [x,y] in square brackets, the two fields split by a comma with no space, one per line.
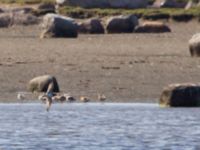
[124,67]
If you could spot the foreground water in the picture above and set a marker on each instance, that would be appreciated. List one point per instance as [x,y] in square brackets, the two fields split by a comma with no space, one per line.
[98,127]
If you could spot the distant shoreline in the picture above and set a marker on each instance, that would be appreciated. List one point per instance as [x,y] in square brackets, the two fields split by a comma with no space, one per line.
[167,14]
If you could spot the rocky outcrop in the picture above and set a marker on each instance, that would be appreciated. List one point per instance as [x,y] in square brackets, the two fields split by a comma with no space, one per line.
[121,24]
[92,26]
[45,83]
[181,95]
[152,27]
[58,26]
[20,18]
[104,3]
[194,45]
[17,17]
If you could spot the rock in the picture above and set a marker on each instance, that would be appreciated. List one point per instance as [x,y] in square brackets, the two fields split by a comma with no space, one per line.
[5,19]
[169,4]
[104,3]
[181,95]
[45,8]
[58,26]
[152,27]
[182,17]
[92,26]
[156,16]
[121,24]
[19,18]
[45,83]
[1,10]
[194,45]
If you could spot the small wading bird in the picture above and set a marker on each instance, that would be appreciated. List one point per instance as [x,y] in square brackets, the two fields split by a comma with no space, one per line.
[84,99]
[69,98]
[101,97]
[21,96]
[47,100]
[63,98]
[59,98]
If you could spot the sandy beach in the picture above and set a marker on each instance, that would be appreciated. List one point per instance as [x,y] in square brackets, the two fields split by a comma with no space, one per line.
[124,67]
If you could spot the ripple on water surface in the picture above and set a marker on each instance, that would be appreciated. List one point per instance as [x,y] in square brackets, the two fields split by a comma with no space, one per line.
[98,126]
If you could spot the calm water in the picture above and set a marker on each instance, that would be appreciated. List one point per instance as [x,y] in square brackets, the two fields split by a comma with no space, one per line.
[98,127]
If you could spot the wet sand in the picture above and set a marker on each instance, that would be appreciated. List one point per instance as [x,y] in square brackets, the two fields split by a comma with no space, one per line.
[124,67]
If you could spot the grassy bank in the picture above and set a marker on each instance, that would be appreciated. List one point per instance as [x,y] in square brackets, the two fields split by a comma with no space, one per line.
[150,13]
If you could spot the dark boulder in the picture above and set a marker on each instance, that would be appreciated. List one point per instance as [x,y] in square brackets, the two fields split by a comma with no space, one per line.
[121,24]
[180,95]
[5,19]
[45,8]
[156,16]
[92,26]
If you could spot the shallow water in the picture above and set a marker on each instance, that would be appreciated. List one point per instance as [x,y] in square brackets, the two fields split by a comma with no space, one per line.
[98,126]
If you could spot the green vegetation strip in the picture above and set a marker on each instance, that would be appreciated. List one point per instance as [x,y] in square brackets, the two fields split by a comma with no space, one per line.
[77,11]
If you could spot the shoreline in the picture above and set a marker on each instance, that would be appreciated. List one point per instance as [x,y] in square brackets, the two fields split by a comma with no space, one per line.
[124,67]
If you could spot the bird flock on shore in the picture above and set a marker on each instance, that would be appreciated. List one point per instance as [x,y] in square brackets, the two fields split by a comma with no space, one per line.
[58,98]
